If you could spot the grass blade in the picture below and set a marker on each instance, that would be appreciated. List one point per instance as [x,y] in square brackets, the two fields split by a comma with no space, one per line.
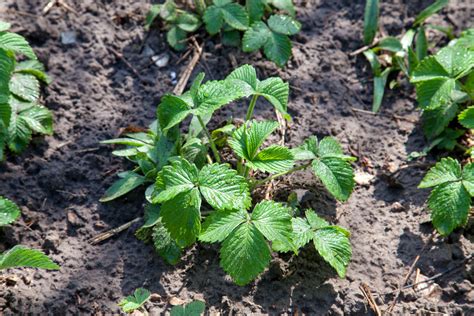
[371,20]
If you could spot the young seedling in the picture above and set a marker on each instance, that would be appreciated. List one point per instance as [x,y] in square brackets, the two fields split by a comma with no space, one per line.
[196,194]
[136,301]
[451,197]
[397,54]
[20,113]
[20,256]
[262,23]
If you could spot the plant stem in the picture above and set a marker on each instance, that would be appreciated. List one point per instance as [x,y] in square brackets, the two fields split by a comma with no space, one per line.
[272,177]
[251,107]
[211,142]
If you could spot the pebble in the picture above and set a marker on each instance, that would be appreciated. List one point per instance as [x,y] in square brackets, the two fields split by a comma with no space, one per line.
[174,301]
[73,219]
[161,60]
[147,51]
[68,37]
[155,298]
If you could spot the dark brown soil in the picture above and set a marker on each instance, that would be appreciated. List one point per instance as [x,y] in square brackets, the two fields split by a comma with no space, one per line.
[95,94]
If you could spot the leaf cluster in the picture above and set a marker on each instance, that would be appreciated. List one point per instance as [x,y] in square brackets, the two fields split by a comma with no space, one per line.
[451,197]
[265,24]
[194,194]
[20,256]
[20,113]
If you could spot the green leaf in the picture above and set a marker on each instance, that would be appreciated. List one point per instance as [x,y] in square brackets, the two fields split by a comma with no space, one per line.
[435,93]
[25,87]
[245,253]
[255,37]
[122,186]
[273,159]
[284,24]
[135,301]
[391,44]
[223,188]
[213,19]
[302,233]
[371,20]
[447,170]
[181,217]
[429,11]
[219,225]
[179,177]
[17,44]
[195,308]
[314,220]
[7,65]
[152,15]
[468,178]
[379,88]
[39,119]
[214,94]
[246,140]
[234,15]
[255,9]
[4,26]
[19,133]
[449,203]
[337,176]
[188,22]
[20,256]
[276,91]
[225,11]
[176,38]
[247,75]
[308,150]
[374,61]
[9,211]
[165,245]
[333,245]
[273,220]
[421,44]
[33,67]
[436,120]
[172,111]
[278,48]
[231,38]
[284,5]
[466,117]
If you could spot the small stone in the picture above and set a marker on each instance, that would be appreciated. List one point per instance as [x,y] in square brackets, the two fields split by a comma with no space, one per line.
[363,178]
[161,60]
[397,207]
[68,37]
[137,313]
[147,51]
[155,298]
[173,75]
[73,219]
[199,297]
[26,280]
[174,301]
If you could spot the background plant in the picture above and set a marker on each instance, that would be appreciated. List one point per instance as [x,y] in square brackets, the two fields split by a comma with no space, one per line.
[444,85]
[20,113]
[265,24]
[194,193]
[20,256]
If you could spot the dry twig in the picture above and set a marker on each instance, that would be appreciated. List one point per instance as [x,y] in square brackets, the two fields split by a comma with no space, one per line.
[364,288]
[110,233]
[184,78]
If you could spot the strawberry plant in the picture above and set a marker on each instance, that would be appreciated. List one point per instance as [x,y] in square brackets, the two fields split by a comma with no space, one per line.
[20,113]
[451,197]
[265,24]
[20,256]
[391,54]
[195,193]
